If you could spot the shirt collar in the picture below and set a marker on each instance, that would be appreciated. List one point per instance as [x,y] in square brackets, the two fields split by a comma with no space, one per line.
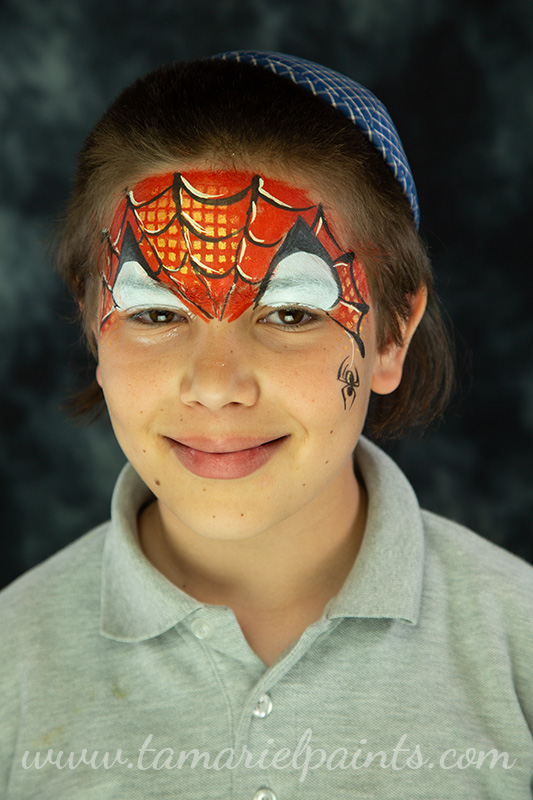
[139,603]
[386,579]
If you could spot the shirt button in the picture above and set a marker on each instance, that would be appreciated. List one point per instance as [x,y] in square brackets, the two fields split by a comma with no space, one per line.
[264,794]
[201,628]
[263,707]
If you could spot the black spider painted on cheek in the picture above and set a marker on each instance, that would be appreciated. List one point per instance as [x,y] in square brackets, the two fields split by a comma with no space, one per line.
[350,378]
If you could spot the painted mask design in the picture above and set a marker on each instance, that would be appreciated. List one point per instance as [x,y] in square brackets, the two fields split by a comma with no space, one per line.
[218,243]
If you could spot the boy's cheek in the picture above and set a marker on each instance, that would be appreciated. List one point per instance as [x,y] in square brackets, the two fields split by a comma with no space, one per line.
[307,381]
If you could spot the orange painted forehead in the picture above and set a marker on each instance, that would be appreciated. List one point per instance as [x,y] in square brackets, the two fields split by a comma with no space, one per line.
[213,237]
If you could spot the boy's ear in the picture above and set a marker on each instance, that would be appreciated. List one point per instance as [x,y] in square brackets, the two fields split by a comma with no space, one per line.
[388,366]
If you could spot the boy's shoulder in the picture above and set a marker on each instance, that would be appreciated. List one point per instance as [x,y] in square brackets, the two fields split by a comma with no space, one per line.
[470,556]
[485,593]
[458,567]
[66,581]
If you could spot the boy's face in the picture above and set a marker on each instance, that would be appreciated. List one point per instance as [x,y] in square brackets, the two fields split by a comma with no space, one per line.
[236,347]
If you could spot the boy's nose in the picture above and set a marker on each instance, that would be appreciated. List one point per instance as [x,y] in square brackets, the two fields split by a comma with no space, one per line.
[219,372]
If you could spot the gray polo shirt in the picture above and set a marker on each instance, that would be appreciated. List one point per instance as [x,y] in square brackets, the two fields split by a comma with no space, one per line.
[417,682]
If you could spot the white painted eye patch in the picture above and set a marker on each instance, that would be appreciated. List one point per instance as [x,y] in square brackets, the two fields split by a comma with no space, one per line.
[135,290]
[302,279]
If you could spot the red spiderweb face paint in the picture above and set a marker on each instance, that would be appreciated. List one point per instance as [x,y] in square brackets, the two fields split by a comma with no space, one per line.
[222,241]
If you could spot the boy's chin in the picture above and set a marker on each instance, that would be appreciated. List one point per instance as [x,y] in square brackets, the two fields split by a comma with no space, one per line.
[218,524]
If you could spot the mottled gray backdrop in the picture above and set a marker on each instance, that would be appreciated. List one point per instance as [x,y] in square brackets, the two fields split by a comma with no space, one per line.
[456,76]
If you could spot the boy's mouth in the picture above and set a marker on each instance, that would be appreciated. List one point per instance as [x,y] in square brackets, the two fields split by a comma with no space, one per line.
[225,459]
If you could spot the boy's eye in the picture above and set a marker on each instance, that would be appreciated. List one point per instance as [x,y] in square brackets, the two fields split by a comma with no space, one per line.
[157,316]
[291,317]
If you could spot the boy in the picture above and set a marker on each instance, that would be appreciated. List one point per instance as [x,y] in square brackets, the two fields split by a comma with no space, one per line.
[266,615]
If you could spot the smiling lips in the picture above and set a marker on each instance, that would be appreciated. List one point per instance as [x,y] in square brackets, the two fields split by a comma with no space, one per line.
[224,460]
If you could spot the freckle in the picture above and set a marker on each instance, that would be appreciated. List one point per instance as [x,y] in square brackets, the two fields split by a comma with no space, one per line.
[327,462]
[304,484]
[331,431]
[214,517]
[144,451]
[203,490]
[157,482]
[242,515]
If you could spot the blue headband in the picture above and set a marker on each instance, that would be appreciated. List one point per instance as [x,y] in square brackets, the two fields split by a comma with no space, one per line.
[352,99]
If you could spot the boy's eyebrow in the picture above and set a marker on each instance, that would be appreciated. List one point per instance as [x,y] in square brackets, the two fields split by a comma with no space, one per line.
[135,288]
[302,278]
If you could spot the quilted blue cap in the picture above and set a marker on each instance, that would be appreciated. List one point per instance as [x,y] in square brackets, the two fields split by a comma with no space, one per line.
[353,100]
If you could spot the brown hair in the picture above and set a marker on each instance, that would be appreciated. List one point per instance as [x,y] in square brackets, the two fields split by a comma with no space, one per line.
[236,113]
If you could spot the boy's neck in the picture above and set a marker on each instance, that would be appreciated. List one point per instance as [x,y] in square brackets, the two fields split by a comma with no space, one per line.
[288,573]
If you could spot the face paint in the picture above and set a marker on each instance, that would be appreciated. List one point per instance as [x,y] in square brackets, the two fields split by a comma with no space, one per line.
[349,377]
[214,244]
